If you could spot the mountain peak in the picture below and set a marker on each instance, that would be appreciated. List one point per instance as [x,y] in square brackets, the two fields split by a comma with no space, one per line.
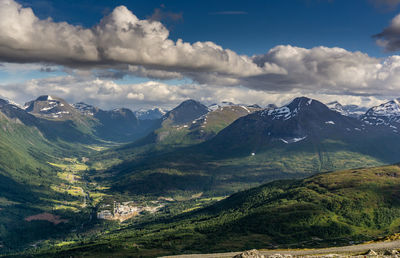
[85,109]
[50,107]
[151,114]
[46,98]
[300,101]
[336,106]
[304,102]
[386,114]
[188,102]
[390,108]
[295,107]
[187,111]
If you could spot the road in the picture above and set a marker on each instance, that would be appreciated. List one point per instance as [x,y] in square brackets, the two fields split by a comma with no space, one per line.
[353,249]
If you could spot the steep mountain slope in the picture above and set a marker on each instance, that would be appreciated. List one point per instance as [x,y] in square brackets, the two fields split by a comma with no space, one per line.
[384,115]
[296,140]
[191,122]
[219,117]
[187,111]
[328,209]
[115,125]
[336,106]
[347,110]
[168,135]
[151,114]
[171,129]
[66,128]
[92,123]
[26,177]
[302,119]
[51,107]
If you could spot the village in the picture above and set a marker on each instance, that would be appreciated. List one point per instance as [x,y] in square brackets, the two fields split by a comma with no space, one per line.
[127,210]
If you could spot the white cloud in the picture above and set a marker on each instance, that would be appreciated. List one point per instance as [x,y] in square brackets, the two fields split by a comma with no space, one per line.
[119,38]
[24,37]
[108,94]
[122,43]
[328,70]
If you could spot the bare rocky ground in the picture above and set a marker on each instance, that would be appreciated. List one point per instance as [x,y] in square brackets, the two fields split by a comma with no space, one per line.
[377,249]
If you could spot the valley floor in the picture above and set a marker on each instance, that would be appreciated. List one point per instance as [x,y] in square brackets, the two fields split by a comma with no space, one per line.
[353,250]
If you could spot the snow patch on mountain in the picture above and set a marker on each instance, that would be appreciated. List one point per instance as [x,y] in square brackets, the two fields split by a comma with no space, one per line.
[383,115]
[9,101]
[292,140]
[150,114]
[223,104]
[288,111]
[336,106]
[84,109]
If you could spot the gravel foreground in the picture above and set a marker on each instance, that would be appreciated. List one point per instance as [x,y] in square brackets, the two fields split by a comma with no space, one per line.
[378,249]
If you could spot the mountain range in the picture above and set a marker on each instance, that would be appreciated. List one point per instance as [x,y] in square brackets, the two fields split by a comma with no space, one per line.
[70,160]
[295,140]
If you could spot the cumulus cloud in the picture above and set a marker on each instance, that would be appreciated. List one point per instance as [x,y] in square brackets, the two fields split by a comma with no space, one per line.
[330,70]
[108,94]
[121,44]
[119,38]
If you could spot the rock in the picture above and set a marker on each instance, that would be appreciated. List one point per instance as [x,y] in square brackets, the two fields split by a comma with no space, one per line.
[275,256]
[250,254]
[391,252]
[371,253]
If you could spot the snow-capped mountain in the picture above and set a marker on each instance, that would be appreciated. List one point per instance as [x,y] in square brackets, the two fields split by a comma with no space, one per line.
[250,108]
[185,112]
[302,120]
[150,114]
[336,106]
[118,124]
[347,110]
[85,109]
[220,115]
[15,111]
[386,114]
[355,111]
[47,106]
[9,101]
[270,106]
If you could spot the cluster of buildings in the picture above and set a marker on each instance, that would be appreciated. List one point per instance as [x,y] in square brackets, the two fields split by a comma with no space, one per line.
[126,210]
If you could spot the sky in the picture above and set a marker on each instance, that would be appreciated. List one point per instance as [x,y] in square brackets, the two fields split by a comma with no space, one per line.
[142,54]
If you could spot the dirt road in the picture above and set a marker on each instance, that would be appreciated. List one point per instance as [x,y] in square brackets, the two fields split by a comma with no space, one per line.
[353,249]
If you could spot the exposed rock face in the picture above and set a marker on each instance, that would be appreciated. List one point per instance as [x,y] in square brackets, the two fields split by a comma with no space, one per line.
[386,114]
[250,254]
[187,111]
[371,253]
[151,114]
[391,252]
[47,106]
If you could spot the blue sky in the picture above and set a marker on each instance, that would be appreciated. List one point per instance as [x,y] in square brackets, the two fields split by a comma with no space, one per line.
[158,53]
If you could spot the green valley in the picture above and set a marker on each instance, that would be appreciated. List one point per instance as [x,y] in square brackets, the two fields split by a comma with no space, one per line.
[193,183]
[335,208]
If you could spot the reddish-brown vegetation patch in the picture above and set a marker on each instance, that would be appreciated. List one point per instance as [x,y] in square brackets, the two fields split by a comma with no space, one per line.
[55,219]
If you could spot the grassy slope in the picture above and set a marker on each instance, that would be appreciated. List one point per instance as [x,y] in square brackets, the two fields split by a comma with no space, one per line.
[326,209]
[202,168]
[205,128]
[26,179]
